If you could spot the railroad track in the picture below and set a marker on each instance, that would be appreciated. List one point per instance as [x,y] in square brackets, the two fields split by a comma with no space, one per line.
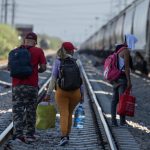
[97,133]
[139,125]
[88,136]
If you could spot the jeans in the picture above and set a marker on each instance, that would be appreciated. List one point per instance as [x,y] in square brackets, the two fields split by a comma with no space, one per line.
[116,92]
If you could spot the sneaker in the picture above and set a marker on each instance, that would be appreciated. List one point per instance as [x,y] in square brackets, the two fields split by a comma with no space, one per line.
[32,138]
[64,140]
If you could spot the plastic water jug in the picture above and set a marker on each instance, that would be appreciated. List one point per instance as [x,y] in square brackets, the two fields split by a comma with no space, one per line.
[79,117]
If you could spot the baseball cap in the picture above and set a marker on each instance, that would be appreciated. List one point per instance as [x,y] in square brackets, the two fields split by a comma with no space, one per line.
[68,46]
[31,35]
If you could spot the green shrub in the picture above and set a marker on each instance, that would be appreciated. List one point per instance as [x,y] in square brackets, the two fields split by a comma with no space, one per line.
[8,40]
[55,43]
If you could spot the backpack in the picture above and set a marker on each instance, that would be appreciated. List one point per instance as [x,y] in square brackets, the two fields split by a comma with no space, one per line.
[69,75]
[111,71]
[20,63]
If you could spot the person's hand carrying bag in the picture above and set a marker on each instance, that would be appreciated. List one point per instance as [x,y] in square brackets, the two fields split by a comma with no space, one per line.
[46,115]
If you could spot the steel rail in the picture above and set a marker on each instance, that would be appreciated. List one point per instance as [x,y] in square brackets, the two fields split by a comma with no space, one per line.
[9,129]
[93,96]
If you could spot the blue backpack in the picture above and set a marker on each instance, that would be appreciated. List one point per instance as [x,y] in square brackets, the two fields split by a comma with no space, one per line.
[19,63]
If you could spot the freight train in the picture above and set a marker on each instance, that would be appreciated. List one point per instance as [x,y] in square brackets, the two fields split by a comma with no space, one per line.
[135,19]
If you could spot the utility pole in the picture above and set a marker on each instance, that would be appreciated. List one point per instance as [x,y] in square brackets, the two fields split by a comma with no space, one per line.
[6,11]
[2,11]
[13,12]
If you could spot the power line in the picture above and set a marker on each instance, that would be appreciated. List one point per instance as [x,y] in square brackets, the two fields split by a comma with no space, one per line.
[25,16]
[37,12]
[56,22]
[65,5]
[45,12]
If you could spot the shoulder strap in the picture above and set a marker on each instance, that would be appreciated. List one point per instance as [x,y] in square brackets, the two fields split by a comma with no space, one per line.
[121,49]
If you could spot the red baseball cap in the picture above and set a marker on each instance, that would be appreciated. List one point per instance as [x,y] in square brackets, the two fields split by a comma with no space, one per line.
[31,35]
[68,46]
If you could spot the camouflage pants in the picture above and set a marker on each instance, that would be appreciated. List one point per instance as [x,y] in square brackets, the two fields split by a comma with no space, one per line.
[24,101]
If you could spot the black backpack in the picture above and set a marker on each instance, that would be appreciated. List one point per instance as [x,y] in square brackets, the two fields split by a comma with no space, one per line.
[19,63]
[69,75]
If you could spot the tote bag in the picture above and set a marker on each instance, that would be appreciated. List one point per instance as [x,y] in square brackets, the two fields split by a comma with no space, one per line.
[46,115]
[126,106]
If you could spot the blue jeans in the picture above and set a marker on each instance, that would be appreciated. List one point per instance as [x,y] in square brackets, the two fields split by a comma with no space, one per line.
[116,92]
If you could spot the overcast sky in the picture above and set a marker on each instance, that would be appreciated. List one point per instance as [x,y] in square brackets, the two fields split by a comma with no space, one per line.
[71,20]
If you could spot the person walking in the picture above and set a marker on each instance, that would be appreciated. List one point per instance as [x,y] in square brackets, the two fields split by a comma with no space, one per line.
[25,91]
[67,78]
[122,83]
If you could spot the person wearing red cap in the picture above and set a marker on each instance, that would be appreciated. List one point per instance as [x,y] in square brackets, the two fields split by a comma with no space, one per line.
[66,99]
[25,92]
[68,46]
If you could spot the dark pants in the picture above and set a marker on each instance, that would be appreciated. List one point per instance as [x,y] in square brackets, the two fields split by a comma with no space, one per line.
[24,101]
[116,92]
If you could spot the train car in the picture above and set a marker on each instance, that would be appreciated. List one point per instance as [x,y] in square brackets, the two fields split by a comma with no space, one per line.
[135,19]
